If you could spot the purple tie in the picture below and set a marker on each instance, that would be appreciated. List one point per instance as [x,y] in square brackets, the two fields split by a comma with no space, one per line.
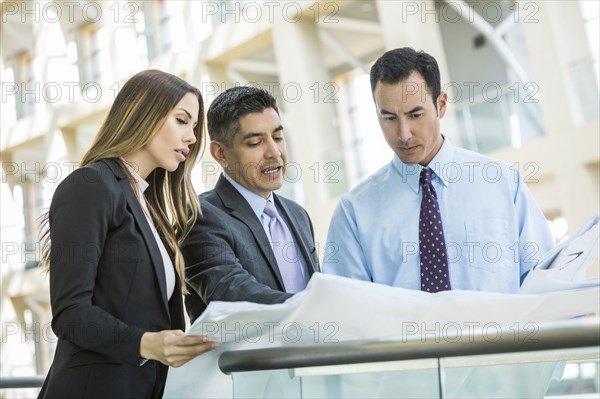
[286,252]
[432,245]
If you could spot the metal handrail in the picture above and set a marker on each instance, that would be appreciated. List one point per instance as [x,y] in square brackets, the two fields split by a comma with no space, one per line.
[35,381]
[575,333]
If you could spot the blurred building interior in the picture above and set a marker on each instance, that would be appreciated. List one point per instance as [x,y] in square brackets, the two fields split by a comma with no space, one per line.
[522,79]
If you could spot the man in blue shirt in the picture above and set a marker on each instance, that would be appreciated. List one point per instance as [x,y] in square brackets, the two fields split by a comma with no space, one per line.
[491,231]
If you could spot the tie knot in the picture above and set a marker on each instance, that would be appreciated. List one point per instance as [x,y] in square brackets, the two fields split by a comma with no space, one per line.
[270,210]
[426,175]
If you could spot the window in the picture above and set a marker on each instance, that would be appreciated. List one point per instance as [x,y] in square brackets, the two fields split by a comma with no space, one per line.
[8,107]
[364,147]
[584,72]
[590,11]
[28,93]
[156,27]
[93,59]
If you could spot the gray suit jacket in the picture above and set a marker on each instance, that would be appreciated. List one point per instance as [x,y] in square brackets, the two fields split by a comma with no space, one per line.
[228,256]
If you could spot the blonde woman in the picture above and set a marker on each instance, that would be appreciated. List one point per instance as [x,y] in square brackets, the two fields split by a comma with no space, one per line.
[115,227]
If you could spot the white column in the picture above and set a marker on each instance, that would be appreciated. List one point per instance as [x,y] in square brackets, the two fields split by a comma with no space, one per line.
[312,135]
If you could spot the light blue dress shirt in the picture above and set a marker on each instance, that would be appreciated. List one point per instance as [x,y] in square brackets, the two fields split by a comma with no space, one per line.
[494,230]
[257,203]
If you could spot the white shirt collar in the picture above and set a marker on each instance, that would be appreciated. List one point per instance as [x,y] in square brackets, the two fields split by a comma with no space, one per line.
[410,172]
[141,183]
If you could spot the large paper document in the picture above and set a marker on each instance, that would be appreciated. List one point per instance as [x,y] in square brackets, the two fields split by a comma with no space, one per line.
[564,267]
[335,309]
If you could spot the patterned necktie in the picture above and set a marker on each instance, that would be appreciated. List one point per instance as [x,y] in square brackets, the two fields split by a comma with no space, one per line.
[432,245]
[286,252]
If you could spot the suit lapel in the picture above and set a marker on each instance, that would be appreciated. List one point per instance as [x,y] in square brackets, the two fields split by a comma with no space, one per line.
[239,208]
[144,227]
[301,236]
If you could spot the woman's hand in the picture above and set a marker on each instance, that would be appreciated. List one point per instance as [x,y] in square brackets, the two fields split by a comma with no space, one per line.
[174,348]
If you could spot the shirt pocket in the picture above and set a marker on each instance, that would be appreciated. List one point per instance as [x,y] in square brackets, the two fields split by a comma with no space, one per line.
[487,246]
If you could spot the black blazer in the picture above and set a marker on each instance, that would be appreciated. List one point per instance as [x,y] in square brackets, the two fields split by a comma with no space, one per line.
[107,288]
[228,256]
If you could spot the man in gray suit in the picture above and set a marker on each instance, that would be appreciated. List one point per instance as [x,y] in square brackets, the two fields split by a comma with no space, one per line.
[249,244]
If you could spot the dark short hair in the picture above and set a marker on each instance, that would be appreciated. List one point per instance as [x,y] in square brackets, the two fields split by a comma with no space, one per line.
[224,113]
[396,65]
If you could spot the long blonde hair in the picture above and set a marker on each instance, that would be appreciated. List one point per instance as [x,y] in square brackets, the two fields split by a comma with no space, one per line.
[138,112]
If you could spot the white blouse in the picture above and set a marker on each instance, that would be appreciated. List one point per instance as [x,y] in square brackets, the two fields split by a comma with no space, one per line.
[142,185]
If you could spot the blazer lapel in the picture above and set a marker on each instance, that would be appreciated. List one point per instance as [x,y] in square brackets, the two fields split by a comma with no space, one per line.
[144,227]
[302,236]
[239,208]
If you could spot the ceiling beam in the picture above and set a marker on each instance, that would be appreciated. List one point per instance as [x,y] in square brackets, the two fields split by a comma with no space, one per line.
[251,66]
[351,25]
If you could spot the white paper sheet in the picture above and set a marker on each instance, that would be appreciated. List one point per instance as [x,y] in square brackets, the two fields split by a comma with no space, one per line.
[334,309]
[564,267]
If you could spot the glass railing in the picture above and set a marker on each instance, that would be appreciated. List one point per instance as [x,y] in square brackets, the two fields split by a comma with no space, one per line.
[531,361]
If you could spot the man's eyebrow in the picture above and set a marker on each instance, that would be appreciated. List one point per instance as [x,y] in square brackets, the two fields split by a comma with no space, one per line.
[415,109]
[385,111]
[250,135]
